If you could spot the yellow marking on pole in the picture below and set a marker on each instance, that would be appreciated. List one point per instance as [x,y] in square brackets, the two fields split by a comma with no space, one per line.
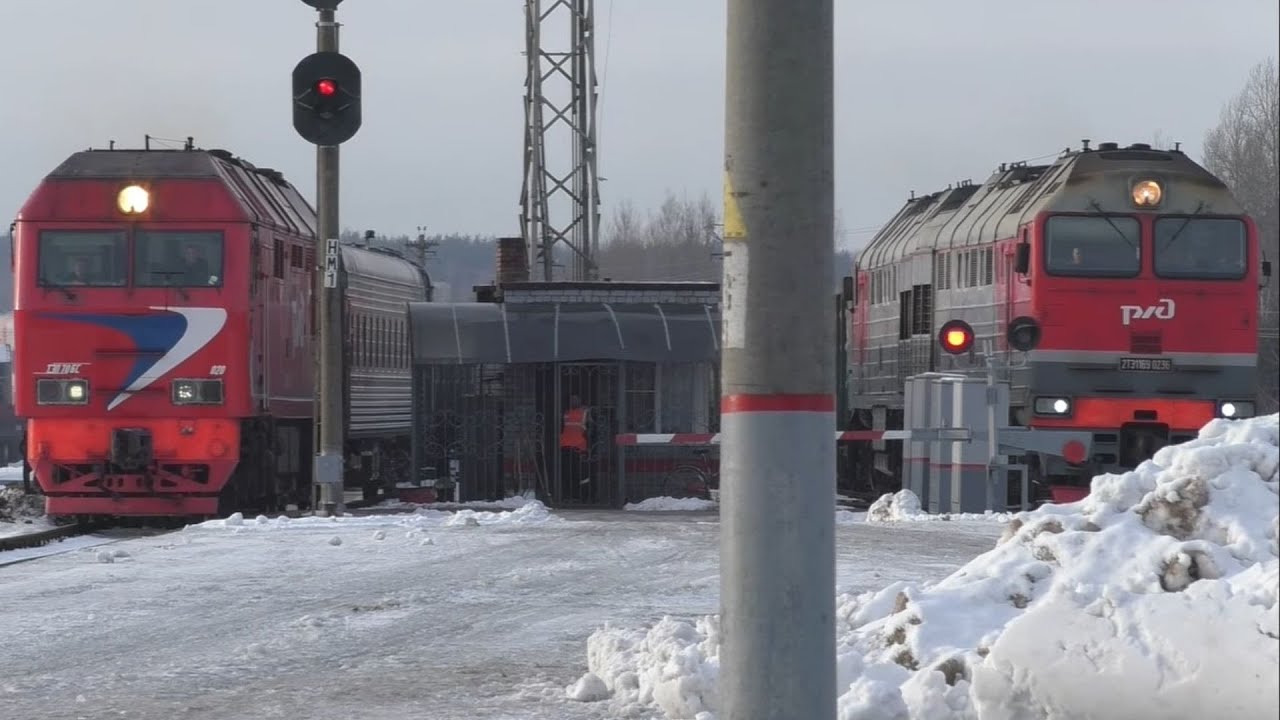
[734,228]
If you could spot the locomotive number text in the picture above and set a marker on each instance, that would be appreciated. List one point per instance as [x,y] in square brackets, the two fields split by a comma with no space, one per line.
[63,369]
[218,370]
[1146,364]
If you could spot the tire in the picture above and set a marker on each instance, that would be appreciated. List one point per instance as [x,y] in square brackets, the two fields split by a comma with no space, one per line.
[686,481]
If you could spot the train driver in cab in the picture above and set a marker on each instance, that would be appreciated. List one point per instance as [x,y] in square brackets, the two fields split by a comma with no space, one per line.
[195,269]
[78,272]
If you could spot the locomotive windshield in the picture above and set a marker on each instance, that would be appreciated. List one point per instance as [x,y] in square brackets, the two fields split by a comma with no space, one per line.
[1200,248]
[84,258]
[178,259]
[1093,246]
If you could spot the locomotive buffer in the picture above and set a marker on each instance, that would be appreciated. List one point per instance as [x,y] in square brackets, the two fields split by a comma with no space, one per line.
[326,113]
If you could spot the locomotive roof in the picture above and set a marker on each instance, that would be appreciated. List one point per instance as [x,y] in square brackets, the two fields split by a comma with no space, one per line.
[966,214]
[264,193]
[127,164]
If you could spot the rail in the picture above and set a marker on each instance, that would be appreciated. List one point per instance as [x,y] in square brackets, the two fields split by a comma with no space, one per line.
[44,537]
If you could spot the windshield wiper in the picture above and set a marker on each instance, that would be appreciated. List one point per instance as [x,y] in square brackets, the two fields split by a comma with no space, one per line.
[1102,214]
[165,274]
[1185,222]
[65,290]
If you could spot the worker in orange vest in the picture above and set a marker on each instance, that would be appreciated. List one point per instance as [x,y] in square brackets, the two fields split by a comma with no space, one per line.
[574,446]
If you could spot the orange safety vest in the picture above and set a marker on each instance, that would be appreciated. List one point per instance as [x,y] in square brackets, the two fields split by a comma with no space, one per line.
[574,433]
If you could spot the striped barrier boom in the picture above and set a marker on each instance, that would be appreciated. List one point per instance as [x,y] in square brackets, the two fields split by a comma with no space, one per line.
[714,438]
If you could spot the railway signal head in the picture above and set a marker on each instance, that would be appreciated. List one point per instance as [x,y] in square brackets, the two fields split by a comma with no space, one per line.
[1024,334]
[956,337]
[326,98]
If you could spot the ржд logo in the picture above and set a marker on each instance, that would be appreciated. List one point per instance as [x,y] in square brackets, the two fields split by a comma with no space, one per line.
[1163,310]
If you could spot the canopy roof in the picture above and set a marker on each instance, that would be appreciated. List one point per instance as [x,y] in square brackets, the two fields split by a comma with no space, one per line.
[512,333]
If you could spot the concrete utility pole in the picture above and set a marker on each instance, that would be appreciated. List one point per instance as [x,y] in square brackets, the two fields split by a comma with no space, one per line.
[777,568]
[329,410]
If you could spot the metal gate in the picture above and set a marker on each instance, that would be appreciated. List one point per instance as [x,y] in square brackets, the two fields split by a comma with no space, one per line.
[487,431]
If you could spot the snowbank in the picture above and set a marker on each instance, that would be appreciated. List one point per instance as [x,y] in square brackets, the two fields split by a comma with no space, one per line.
[531,513]
[18,506]
[1155,596]
[904,506]
[515,502]
[670,504]
[11,474]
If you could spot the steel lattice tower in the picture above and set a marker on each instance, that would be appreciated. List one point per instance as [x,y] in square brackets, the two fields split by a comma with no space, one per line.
[560,89]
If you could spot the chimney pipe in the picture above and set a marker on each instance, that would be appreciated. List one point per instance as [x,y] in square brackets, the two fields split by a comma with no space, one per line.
[513,260]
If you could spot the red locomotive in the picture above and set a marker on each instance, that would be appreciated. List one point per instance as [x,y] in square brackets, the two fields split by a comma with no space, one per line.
[163,298]
[1140,267]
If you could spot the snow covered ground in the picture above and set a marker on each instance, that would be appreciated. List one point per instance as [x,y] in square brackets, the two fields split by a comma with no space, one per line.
[435,615]
[11,474]
[1154,597]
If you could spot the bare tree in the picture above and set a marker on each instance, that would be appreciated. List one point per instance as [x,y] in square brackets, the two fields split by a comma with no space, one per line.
[673,243]
[1244,150]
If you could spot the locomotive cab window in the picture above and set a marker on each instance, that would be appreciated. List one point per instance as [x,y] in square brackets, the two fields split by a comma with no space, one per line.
[1200,248]
[178,259]
[86,258]
[1093,246]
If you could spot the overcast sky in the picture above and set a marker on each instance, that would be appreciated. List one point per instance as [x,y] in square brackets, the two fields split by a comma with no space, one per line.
[927,92]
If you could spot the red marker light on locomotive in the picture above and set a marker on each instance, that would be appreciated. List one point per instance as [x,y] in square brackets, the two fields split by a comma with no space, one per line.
[956,336]
[327,88]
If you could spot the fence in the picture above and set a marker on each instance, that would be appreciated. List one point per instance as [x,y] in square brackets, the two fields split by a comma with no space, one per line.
[495,384]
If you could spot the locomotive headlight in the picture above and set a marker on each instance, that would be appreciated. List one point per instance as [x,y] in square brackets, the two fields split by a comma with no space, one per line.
[1147,193]
[197,392]
[1053,406]
[57,391]
[133,199]
[1235,409]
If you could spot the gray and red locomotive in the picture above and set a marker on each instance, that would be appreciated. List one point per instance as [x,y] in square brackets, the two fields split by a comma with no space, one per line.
[1140,268]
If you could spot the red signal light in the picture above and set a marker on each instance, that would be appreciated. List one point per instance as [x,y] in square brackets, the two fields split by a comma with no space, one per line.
[327,88]
[956,337]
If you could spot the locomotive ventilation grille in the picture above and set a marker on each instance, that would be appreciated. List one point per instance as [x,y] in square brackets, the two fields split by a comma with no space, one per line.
[1146,344]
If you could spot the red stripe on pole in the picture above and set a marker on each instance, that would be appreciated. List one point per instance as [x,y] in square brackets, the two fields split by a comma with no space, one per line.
[777,403]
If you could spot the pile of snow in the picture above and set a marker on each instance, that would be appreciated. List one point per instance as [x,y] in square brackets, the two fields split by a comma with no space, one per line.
[531,513]
[904,506]
[11,474]
[18,506]
[670,504]
[1155,596]
[515,502]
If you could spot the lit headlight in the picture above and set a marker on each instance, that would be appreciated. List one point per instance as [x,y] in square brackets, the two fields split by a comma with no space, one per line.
[1147,193]
[197,392]
[133,199]
[1235,409]
[56,391]
[1053,406]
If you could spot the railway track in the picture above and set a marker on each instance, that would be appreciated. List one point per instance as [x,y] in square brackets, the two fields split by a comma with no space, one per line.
[42,538]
